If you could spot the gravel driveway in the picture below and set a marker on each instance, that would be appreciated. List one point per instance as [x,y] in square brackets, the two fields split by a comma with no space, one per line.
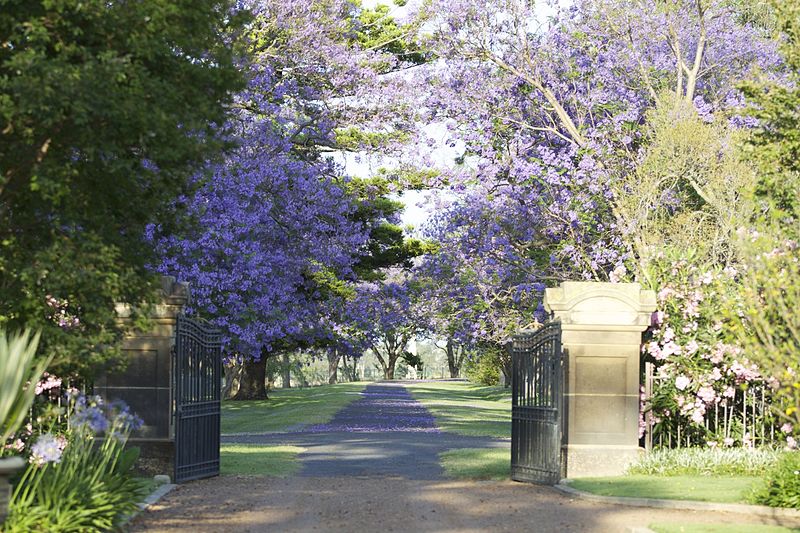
[374,468]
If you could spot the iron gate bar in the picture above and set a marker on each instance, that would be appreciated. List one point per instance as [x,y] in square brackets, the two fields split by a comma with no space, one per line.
[198,373]
[537,404]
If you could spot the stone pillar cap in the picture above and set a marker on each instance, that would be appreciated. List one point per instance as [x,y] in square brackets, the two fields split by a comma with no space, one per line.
[598,303]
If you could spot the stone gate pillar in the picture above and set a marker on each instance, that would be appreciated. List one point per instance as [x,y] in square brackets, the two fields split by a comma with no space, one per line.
[602,325]
[146,383]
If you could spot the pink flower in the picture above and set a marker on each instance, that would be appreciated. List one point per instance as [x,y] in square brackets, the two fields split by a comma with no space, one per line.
[698,416]
[707,278]
[691,347]
[681,382]
[707,394]
[47,382]
[670,348]
[730,392]
[787,428]
[669,334]
[655,350]
[665,293]
[791,443]
[728,441]
[715,375]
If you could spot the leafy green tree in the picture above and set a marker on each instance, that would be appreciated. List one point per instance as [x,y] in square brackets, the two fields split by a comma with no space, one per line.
[766,313]
[106,108]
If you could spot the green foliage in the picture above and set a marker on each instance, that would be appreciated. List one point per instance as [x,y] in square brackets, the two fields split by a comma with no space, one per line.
[388,245]
[775,145]
[705,462]
[18,372]
[90,489]
[689,194]
[764,315]
[782,483]
[101,124]
[259,460]
[356,139]
[378,30]
[484,368]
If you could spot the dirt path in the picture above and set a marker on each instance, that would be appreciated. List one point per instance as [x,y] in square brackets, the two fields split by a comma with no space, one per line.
[380,504]
[374,468]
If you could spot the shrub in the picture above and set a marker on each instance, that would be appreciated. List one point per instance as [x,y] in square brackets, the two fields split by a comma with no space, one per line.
[79,482]
[484,369]
[782,483]
[706,462]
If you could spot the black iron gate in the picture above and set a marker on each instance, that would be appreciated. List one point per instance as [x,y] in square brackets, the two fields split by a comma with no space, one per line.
[537,402]
[198,371]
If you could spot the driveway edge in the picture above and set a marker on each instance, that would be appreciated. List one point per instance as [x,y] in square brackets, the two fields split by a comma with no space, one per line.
[757,510]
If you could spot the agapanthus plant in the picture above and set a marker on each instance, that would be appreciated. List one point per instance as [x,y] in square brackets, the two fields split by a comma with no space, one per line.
[79,481]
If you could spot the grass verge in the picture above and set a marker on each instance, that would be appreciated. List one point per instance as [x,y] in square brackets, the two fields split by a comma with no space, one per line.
[465,408]
[477,463]
[287,408]
[259,460]
[718,528]
[729,489]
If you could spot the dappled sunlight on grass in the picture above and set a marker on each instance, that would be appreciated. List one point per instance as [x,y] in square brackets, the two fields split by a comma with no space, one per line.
[727,489]
[477,463]
[259,460]
[465,408]
[288,408]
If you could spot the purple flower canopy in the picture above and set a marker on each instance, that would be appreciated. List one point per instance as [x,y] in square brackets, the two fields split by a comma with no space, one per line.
[381,408]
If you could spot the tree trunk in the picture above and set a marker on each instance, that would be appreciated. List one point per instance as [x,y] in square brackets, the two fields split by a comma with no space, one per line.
[233,379]
[333,366]
[453,362]
[506,365]
[286,371]
[252,385]
[350,372]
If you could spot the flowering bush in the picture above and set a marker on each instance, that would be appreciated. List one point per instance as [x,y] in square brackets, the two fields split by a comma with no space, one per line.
[699,370]
[766,323]
[79,481]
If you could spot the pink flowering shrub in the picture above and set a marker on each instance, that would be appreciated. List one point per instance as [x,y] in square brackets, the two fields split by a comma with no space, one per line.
[700,374]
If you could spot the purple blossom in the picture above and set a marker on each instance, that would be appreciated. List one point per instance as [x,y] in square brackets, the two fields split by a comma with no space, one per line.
[48,448]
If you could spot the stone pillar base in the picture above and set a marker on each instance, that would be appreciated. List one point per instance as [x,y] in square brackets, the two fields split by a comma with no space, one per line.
[157,456]
[590,460]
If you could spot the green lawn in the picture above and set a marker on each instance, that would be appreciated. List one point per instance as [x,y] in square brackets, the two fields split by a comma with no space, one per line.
[477,463]
[259,460]
[467,409]
[718,528]
[728,489]
[287,408]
